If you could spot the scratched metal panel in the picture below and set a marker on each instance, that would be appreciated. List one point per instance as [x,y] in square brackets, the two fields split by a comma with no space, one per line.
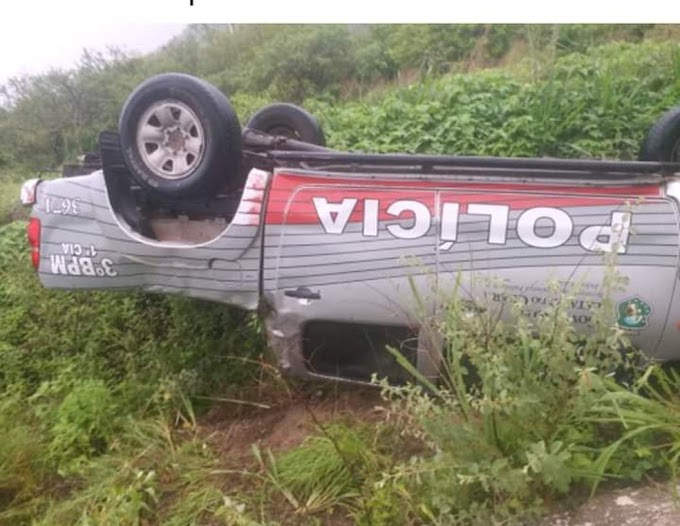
[84,245]
[382,278]
[303,255]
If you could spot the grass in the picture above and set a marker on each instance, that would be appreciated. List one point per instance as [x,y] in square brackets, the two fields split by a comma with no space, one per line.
[325,472]
[99,396]
[102,393]
[10,205]
[151,463]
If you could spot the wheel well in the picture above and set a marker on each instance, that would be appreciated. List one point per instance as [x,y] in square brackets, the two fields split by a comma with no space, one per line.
[354,351]
[189,220]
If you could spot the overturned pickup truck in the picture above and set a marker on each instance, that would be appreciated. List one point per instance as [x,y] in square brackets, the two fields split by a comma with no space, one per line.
[331,247]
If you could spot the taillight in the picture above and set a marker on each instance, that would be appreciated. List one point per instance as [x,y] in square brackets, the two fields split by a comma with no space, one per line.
[33,231]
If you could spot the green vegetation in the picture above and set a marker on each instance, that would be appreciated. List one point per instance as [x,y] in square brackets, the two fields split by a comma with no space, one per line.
[596,105]
[91,383]
[326,471]
[521,394]
[49,118]
[102,394]
[525,412]
[10,206]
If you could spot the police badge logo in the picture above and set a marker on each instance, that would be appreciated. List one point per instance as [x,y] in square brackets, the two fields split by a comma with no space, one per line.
[633,313]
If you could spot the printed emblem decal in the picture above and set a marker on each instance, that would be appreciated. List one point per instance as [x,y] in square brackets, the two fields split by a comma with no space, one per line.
[633,313]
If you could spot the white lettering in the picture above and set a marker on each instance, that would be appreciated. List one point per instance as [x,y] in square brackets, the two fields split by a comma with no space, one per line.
[107,265]
[421,224]
[616,235]
[562,227]
[342,211]
[450,221]
[81,266]
[371,208]
[86,266]
[57,264]
[498,220]
[63,206]
[75,249]
[449,228]
[73,268]
[334,218]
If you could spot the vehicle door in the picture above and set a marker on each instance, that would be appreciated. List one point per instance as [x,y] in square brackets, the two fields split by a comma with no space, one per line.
[348,249]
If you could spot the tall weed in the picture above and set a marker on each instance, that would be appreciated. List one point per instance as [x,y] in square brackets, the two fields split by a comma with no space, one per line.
[507,425]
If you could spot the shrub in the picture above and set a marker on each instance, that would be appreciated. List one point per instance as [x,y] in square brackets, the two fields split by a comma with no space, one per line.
[598,104]
[23,453]
[507,426]
[80,367]
[85,422]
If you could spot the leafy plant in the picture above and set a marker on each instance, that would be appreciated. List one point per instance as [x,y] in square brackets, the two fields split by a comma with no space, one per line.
[82,371]
[85,422]
[506,425]
[598,104]
[23,455]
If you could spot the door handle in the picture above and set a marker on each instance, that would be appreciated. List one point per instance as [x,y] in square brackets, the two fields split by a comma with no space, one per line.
[303,293]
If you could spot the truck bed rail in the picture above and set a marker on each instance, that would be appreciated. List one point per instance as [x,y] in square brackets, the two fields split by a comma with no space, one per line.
[505,167]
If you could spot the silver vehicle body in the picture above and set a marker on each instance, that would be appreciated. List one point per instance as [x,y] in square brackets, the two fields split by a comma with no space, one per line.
[314,248]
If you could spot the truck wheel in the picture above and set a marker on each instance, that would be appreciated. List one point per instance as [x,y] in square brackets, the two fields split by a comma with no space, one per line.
[288,120]
[180,137]
[662,143]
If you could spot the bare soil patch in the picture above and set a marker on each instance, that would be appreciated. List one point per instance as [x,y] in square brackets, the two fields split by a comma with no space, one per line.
[289,418]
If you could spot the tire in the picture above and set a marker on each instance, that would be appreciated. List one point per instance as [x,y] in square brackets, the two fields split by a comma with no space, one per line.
[180,137]
[662,143]
[288,120]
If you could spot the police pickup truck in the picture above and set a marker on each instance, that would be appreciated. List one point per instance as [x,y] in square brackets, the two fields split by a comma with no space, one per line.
[331,247]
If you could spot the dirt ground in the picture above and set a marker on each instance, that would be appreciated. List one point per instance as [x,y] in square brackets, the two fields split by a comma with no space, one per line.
[646,505]
[284,420]
[287,418]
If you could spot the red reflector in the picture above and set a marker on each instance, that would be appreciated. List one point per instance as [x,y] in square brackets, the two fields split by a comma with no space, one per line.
[33,231]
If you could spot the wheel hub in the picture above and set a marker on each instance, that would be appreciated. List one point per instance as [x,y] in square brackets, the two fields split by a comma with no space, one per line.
[175,140]
[170,139]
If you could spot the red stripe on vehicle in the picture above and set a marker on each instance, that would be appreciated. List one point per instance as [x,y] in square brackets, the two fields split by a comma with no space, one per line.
[291,196]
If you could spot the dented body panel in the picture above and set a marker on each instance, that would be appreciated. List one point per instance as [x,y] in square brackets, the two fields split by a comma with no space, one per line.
[362,249]
[388,251]
[86,245]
